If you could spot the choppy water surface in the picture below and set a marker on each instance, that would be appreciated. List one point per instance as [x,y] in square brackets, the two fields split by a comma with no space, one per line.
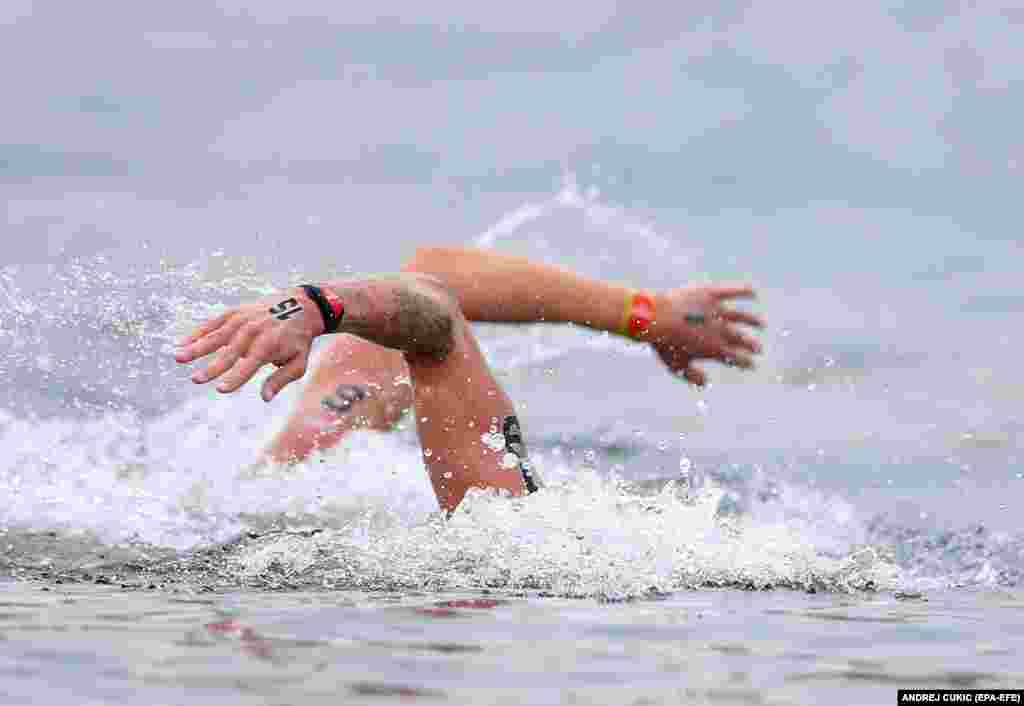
[717,647]
[839,523]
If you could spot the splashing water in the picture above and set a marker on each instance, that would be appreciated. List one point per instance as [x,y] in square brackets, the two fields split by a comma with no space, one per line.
[583,538]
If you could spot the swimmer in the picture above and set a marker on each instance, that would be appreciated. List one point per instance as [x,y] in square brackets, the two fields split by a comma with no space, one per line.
[403,341]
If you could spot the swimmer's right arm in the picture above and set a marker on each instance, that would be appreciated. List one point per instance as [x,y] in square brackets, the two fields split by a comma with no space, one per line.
[495,287]
[407,312]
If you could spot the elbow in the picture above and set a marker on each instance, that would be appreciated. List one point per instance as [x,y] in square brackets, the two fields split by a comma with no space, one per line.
[436,344]
[428,317]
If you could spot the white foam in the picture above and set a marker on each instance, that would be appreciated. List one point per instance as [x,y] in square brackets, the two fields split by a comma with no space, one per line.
[584,537]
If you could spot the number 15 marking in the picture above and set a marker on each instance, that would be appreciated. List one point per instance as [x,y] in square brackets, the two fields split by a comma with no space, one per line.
[286,309]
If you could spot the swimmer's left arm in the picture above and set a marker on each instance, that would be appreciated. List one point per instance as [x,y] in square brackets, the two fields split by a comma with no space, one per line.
[690,324]
[682,325]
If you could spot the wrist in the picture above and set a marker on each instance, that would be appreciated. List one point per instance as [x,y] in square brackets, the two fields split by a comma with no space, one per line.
[312,320]
[662,305]
[328,304]
[639,314]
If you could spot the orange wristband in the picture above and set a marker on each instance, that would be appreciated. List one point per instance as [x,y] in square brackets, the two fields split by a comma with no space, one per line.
[637,315]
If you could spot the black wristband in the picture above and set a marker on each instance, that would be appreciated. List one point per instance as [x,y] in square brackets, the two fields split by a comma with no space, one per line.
[331,321]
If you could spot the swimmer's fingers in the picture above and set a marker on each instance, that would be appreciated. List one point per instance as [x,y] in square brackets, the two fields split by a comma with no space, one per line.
[739,339]
[226,359]
[205,328]
[695,375]
[732,291]
[215,340]
[737,359]
[258,345]
[741,317]
[289,373]
[240,374]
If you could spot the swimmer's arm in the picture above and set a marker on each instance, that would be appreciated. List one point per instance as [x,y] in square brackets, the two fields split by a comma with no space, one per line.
[495,287]
[408,312]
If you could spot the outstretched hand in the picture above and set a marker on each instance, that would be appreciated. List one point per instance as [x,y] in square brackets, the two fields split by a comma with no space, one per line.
[279,331]
[693,323]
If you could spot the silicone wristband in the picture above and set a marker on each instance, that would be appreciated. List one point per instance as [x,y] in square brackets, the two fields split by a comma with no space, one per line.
[330,305]
[637,315]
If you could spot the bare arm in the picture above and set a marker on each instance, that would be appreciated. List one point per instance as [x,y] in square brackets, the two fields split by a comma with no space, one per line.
[502,288]
[401,311]
[406,312]
[494,287]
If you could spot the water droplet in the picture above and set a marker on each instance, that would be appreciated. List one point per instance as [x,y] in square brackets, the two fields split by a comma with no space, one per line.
[428,453]
[662,446]
[493,441]
[590,458]
[685,465]
[447,474]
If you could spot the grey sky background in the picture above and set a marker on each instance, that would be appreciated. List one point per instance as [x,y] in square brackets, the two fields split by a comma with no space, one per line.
[157,110]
